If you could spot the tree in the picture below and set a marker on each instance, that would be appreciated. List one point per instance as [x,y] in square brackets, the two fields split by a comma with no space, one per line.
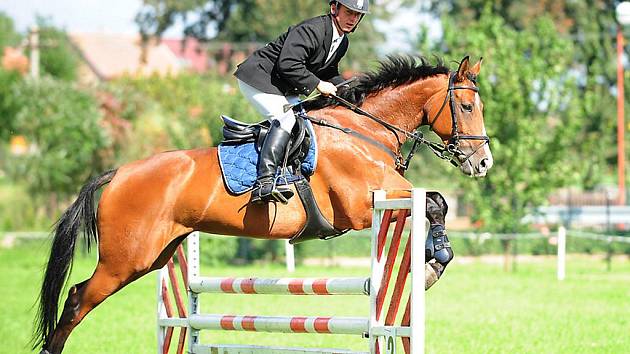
[8,35]
[57,57]
[8,38]
[594,58]
[202,19]
[229,20]
[8,107]
[531,115]
[252,21]
[518,14]
[590,25]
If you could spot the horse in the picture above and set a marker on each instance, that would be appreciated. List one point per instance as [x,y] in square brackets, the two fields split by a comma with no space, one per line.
[148,207]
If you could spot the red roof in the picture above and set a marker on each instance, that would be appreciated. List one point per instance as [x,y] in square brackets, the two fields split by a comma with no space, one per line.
[114,55]
[193,55]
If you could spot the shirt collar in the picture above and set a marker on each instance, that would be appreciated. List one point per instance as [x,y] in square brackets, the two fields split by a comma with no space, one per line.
[335,32]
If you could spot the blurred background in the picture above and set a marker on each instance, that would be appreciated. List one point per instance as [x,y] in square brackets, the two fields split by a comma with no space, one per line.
[90,86]
[87,86]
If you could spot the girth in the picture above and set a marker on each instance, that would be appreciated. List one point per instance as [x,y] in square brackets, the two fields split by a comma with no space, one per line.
[316,225]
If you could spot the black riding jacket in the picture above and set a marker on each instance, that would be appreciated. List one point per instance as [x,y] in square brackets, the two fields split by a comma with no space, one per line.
[295,62]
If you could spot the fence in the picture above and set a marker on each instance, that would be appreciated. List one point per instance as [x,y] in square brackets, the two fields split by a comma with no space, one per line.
[380,327]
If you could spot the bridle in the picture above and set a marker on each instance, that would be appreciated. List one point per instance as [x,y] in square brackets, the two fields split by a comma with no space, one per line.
[451,151]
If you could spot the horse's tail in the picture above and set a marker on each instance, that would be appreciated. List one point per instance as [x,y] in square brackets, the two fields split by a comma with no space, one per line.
[80,214]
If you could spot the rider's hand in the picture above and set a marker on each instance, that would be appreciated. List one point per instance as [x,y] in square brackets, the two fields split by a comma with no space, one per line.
[326,88]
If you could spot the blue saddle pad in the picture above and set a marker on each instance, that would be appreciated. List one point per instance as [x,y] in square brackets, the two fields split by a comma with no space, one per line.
[238,164]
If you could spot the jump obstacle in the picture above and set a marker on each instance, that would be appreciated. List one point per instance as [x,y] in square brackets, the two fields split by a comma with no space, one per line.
[379,328]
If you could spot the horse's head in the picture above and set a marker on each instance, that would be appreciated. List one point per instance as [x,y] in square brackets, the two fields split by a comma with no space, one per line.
[457,118]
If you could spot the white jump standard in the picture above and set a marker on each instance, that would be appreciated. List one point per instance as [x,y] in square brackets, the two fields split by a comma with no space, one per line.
[379,327]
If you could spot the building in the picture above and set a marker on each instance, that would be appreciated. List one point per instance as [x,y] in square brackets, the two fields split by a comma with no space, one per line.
[192,55]
[108,56]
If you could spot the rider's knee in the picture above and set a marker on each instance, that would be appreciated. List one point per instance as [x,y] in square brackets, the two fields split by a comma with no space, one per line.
[287,121]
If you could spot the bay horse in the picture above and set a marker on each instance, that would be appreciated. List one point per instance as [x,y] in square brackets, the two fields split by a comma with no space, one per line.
[149,207]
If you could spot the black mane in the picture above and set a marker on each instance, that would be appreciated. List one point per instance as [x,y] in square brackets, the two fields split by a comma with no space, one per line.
[394,71]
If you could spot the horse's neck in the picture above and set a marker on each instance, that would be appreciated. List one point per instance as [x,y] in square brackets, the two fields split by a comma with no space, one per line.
[403,106]
[400,106]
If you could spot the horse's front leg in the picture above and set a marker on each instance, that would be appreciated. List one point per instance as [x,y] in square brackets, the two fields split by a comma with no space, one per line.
[438,250]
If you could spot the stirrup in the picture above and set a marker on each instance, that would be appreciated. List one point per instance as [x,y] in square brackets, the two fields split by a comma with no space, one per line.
[277,193]
[282,194]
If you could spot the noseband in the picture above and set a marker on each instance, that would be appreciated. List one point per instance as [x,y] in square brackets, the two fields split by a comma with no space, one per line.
[451,151]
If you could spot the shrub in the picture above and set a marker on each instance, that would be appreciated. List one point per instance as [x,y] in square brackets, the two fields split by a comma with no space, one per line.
[8,35]
[18,212]
[193,105]
[217,250]
[61,126]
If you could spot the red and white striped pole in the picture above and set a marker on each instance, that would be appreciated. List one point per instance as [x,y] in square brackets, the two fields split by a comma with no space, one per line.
[281,324]
[279,286]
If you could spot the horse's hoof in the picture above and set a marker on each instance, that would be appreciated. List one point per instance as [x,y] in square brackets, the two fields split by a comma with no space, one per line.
[44,351]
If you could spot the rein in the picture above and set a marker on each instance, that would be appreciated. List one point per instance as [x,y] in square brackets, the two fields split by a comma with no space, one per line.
[378,144]
[448,152]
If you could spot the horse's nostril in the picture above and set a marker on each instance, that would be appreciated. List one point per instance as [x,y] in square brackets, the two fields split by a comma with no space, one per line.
[483,165]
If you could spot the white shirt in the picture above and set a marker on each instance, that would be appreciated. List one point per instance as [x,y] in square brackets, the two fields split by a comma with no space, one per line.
[336,41]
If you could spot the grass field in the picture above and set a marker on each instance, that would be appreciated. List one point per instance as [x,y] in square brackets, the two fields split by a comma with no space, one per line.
[475,308]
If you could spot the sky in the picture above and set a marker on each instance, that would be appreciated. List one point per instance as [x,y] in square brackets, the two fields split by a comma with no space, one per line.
[117,16]
[76,15]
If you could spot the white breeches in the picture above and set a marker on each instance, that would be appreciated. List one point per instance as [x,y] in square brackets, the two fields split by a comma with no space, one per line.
[270,106]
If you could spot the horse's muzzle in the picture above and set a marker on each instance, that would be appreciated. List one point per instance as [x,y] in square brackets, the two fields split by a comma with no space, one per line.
[476,166]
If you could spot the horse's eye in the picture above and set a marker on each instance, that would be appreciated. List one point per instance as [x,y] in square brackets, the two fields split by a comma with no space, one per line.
[467,107]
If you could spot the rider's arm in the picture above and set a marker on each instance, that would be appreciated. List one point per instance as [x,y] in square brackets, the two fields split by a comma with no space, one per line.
[332,75]
[299,46]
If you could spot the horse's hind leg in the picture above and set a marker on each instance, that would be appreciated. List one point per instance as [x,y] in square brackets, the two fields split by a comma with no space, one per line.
[437,247]
[82,298]
[111,275]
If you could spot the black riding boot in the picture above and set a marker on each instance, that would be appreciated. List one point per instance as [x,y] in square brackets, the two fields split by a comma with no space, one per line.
[271,156]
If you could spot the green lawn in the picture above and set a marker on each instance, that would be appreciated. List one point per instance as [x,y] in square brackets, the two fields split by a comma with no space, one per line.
[475,308]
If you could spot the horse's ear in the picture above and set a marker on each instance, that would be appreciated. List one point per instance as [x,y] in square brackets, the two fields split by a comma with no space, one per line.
[475,69]
[463,69]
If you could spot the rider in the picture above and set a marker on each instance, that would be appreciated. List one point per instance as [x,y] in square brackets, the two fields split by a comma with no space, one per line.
[299,61]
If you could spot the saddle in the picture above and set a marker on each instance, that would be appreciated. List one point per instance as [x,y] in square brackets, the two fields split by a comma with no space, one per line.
[238,157]
[236,133]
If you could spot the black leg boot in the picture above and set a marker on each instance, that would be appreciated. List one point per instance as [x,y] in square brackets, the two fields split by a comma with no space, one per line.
[271,155]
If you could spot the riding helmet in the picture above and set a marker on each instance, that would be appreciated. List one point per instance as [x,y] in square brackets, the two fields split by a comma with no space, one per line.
[354,5]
